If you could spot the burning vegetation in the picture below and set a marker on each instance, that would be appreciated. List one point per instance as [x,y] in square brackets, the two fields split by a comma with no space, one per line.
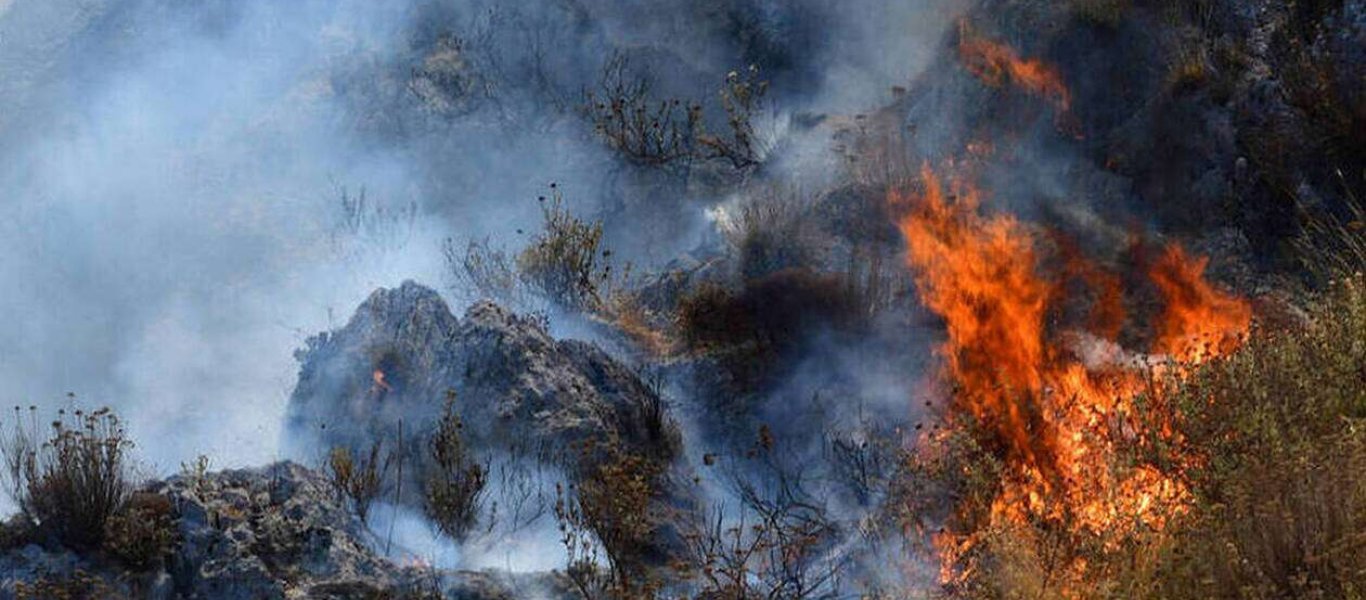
[952,398]
[1062,420]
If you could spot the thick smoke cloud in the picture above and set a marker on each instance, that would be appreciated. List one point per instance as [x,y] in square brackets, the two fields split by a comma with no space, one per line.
[171,225]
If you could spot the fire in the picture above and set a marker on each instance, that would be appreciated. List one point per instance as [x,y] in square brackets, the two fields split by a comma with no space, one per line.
[381,385]
[1054,405]
[1200,322]
[997,64]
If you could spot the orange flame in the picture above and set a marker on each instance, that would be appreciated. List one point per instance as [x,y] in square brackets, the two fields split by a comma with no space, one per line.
[1200,322]
[379,378]
[1052,416]
[997,64]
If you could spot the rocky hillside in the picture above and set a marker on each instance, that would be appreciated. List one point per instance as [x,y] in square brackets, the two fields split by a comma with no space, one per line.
[270,533]
[1189,116]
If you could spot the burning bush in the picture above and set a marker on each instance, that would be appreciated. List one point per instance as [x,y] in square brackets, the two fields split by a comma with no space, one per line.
[1080,468]
[1280,505]
[72,483]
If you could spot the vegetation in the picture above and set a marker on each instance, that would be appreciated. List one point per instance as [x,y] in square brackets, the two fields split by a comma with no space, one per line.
[355,477]
[71,483]
[454,486]
[143,534]
[660,132]
[565,263]
[80,585]
[608,515]
[1278,509]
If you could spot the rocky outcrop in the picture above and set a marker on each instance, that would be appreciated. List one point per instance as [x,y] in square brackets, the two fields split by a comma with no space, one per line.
[275,532]
[404,354]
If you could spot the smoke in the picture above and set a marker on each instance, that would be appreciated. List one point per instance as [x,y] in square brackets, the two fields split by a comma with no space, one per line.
[172,224]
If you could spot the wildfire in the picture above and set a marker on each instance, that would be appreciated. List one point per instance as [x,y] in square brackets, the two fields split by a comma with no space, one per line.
[997,64]
[1054,411]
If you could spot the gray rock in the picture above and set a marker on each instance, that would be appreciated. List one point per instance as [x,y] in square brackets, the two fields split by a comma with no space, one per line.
[514,385]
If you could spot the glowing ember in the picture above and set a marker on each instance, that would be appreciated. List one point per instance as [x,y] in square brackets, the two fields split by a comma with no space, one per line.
[997,64]
[1052,405]
[380,383]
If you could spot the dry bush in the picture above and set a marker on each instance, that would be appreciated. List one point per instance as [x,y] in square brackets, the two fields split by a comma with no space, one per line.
[565,263]
[72,483]
[754,328]
[770,231]
[743,100]
[671,132]
[1334,245]
[16,532]
[1281,505]
[143,534]
[77,586]
[608,515]
[356,477]
[486,271]
[644,130]
[781,542]
[454,486]
[1109,13]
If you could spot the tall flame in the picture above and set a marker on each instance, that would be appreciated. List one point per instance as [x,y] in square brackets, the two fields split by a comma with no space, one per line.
[1053,416]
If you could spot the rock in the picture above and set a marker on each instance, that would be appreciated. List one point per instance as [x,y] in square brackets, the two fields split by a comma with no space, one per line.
[513,384]
[273,532]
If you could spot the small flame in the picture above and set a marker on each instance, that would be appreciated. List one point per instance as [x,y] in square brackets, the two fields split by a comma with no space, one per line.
[997,64]
[379,378]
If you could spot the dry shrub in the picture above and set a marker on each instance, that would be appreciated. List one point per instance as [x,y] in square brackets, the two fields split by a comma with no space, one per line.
[565,264]
[652,131]
[72,483]
[770,231]
[454,485]
[77,586]
[358,478]
[1108,13]
[16,532]
[143,534]
[1281,509]
[753,328]
[644,130]
[608,514]
[486,271]
[1334,245]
